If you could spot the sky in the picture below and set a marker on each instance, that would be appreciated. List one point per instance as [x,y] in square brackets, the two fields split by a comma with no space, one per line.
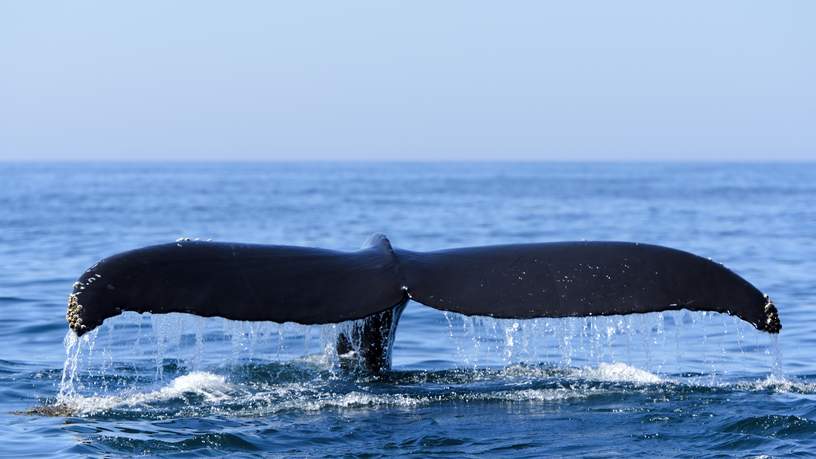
[412,80]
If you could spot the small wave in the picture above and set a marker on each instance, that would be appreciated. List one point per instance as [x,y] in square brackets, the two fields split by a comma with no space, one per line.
[358,399]
[604,372]
[209,386]
[773,425]
[262,391]
[619,372]
[774,383]
[198,445]
[355,400]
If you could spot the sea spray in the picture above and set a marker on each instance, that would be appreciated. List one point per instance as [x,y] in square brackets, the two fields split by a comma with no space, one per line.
[199,343]
[776,353]
[71,343]
[160,337]
[73,359]
[180,343]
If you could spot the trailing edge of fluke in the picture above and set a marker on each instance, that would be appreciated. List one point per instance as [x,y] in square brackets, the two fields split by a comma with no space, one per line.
[318,286]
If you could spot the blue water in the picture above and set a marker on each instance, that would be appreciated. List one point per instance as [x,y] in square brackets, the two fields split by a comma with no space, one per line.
[673,384]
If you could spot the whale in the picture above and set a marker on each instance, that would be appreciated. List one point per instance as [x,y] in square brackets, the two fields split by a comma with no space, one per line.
[372,286]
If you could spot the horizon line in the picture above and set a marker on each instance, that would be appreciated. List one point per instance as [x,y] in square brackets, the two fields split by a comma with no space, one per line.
[404,161]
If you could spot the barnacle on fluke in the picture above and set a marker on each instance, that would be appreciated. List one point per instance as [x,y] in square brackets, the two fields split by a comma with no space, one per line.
[74,314]
[772,323]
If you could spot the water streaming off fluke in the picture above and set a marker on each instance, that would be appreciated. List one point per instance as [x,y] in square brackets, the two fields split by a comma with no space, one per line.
[181,363]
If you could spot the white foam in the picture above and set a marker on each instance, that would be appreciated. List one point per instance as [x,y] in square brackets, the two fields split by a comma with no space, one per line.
[533,395]
[619,372]
[313,395]
[779,384]
[285,399]
[212,387]
[361,399]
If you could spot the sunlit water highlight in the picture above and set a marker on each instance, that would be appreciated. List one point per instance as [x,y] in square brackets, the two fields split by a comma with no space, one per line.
[671,384]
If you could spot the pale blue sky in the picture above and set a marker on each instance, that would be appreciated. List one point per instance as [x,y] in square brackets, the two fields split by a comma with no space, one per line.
[569,80]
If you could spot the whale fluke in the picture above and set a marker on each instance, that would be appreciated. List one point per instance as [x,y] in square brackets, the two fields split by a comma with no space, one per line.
[317,286]
[569,279]
[240,282]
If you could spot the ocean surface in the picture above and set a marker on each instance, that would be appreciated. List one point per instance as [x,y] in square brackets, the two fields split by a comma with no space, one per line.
[676,384]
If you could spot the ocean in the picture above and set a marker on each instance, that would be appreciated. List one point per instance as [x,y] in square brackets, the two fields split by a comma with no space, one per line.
[673,384]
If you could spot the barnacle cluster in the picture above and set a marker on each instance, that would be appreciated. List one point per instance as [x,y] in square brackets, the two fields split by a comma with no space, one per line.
[73,314]
[772,322]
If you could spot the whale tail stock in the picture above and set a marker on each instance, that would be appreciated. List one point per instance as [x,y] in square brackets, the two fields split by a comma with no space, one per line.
[318,286]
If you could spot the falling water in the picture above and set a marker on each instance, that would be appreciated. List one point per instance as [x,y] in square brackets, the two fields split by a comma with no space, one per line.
[72,347]
[661,343]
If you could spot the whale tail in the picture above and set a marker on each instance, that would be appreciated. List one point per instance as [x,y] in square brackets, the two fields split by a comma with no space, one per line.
[318,286]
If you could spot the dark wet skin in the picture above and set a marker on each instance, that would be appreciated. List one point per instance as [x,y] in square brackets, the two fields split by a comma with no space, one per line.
[318,286]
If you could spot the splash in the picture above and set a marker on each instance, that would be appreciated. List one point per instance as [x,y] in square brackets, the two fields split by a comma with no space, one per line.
[777,384]
[211,388]
[73,352]
[620,372]
[180,362]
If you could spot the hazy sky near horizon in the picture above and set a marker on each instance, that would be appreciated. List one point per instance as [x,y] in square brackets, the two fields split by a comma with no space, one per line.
[460,80]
